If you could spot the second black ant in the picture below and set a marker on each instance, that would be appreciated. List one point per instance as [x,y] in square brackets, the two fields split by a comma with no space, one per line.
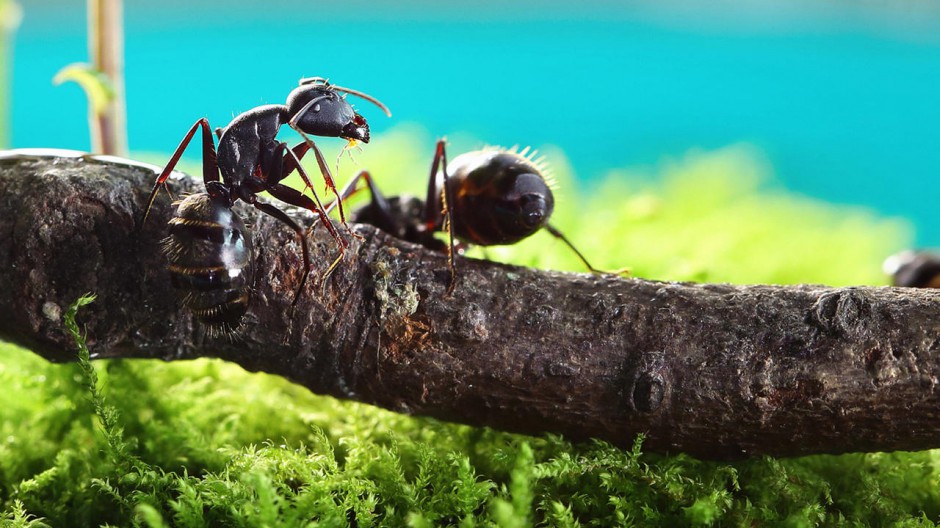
[485,197]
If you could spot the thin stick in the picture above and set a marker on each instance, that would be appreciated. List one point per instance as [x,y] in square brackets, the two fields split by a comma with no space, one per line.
[106,47]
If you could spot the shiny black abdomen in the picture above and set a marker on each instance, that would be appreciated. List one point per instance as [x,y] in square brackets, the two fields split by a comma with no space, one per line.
[210,261]
[488,190]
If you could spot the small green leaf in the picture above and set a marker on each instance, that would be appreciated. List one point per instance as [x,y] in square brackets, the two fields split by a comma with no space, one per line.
[96,84]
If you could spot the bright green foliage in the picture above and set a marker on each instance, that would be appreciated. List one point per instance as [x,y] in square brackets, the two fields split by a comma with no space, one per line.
[98,88]
[204,443]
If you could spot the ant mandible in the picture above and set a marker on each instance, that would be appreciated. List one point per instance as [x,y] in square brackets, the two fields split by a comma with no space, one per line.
[484,197]
[251,160]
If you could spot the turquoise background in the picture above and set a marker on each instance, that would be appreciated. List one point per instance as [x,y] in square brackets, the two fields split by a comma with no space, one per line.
[841,99]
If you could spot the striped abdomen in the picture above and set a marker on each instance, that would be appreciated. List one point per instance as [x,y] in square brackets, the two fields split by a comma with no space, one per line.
[210,261]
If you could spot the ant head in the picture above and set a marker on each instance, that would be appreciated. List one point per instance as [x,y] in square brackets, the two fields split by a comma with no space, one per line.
[316,107]
[319,110]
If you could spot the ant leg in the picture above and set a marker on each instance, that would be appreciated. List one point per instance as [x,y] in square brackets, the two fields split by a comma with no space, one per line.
[379,213]
[558,234]
[210,166]
[278,164]
[324,170]
[282,216]
[377,199]
[294,197]
[439,207]
[350,189]
[292,162]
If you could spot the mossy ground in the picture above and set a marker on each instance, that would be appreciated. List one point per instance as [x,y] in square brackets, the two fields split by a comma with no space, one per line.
[204,443]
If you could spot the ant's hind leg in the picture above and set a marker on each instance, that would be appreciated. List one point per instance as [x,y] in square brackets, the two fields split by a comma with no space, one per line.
[210,166]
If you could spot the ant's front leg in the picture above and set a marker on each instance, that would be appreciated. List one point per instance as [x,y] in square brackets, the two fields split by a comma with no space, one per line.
[321,161]
[294,197]
[210,165]
[292,161]
[439,208]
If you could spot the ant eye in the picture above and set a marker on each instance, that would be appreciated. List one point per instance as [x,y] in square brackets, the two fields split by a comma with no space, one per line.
[316,107]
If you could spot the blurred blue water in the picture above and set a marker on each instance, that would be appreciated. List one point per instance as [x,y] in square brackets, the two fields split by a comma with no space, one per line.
[845,110]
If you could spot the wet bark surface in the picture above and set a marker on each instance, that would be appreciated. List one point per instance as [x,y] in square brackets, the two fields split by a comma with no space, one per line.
[714,370]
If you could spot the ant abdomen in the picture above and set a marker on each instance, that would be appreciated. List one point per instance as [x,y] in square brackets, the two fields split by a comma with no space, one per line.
[499,197]
[210,261]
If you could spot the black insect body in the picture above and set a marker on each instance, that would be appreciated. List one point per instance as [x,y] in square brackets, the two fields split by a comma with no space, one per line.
[250,160]
[497,197]
[485,197]
[915,269]
[209,258]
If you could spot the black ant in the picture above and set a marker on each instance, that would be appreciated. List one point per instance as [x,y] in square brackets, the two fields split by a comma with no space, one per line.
[208,249]
[914,269]
[485,197]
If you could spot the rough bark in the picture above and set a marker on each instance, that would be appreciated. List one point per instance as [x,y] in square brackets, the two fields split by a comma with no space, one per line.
[715,370]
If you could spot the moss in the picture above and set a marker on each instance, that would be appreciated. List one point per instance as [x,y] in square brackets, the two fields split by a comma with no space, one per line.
[204,443]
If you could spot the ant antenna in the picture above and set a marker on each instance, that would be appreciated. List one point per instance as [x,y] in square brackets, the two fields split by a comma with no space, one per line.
[314,80]
[557,234]
[326,82]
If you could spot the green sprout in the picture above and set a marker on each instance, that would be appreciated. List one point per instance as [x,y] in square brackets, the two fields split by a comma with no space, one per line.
[95,83]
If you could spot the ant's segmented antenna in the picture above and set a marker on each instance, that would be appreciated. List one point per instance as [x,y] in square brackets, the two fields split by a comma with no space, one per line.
[362,95]
[326,82]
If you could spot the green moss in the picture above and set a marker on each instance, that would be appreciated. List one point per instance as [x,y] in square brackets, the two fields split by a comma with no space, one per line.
[204,443]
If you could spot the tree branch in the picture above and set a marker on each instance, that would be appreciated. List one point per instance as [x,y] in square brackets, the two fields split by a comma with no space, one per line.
[715,370]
